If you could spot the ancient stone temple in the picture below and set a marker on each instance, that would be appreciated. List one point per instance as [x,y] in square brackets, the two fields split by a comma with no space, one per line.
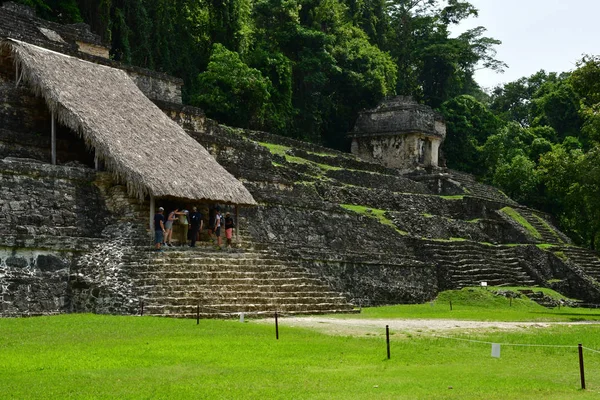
[399,133]
[88,146]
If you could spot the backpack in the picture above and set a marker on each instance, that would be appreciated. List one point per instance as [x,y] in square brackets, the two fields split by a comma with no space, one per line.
[222,221]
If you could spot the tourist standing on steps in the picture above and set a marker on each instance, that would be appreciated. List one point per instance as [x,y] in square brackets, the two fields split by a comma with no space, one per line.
[195,225]
[159,228]
[211,221]
[229,225]
[169,227]
[217,228]
[183,227]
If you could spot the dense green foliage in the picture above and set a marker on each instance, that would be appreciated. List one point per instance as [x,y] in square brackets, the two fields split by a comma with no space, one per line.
[538,140]
[300,68]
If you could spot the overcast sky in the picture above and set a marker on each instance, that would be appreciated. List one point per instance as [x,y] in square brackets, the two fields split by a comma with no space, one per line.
[537,34]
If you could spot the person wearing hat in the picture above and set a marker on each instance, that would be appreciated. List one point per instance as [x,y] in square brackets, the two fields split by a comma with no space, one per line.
[159,228]
[229,225]
[195,225]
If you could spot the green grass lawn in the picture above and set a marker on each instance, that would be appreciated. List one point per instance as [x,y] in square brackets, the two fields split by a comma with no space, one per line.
[93,356]
[481,304]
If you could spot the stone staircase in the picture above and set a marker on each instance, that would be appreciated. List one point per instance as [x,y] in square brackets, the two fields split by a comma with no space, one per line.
[476,189]
[470,263]
[545,229]
[586,259]
[540,298]
[174,283]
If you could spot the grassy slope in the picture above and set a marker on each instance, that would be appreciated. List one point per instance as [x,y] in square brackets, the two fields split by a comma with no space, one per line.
[514,214]
[481,304]
[87,356]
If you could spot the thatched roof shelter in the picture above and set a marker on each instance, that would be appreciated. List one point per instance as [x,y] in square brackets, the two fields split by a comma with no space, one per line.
[130,134]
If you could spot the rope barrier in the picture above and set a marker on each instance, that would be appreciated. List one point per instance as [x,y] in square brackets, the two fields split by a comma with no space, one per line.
[592,350]
[516,344]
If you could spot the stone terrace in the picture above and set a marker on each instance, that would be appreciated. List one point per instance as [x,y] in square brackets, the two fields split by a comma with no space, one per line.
[332,212]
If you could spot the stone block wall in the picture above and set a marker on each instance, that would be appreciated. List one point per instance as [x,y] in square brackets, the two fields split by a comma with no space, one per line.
[65,233]
[33,282]
[157,86]
[49,214]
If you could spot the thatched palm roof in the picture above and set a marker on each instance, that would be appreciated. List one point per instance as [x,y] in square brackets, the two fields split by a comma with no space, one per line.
[135,139]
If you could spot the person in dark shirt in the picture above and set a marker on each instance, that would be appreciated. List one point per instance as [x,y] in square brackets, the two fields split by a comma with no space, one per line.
[195,225]
[159,228]
[229,225]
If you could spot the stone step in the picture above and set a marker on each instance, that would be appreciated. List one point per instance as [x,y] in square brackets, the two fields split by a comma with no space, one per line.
[233,281]
[149,269]
[246,287]
[256,301]
[471,260]
[207,266]
[215,262]
[215,308]
[209,293]
[490,273]
[495,282]
[150,289]
[187,313]
[452,247]
[222,273]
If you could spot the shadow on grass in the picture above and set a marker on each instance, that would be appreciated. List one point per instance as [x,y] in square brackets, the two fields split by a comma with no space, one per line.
[579,316]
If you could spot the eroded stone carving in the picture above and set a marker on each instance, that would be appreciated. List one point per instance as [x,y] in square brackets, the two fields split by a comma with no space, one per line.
[399,133]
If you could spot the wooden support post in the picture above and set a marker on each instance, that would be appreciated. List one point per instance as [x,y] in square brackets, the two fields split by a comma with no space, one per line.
[237,225]
[581,369]
[53,138]
[387,339]
[152,212]
[96,161]
[276,327]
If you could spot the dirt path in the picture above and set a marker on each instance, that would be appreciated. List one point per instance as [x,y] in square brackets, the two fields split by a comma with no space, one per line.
[371,327]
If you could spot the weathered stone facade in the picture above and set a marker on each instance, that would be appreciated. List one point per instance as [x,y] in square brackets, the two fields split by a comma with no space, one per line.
[399,133]
[328,223]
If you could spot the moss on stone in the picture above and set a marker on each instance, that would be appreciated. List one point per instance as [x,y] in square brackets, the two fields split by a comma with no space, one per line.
[275,148]
[454,197]
[328,167]
[518,218]
[560,255]
[373,213]
[322,154]
[544,246]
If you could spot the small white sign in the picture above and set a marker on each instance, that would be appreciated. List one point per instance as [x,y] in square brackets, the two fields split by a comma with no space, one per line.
[483,284]
[495,350]
[242,317]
